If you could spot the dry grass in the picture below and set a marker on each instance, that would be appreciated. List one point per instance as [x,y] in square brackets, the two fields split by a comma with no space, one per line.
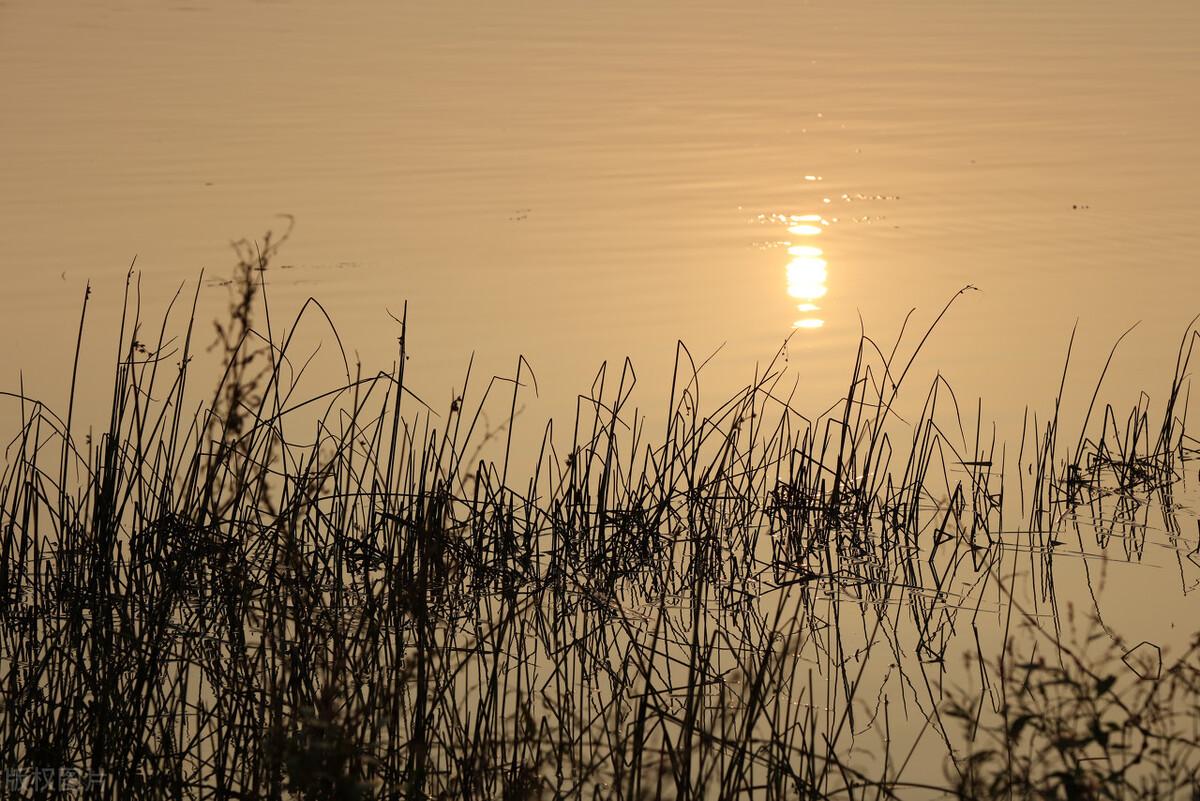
[340,597]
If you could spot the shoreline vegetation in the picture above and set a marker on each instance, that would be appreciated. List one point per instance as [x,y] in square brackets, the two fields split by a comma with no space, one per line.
[346,596]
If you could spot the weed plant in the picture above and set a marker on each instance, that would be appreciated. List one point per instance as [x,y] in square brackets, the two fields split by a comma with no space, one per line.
[351,595]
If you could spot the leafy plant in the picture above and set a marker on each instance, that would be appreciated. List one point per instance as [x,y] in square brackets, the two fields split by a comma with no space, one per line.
[1082,725]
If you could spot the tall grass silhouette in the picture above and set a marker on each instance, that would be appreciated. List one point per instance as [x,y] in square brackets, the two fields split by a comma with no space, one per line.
[352,595]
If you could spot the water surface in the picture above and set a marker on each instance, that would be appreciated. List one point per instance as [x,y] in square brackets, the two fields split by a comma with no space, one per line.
[576,184]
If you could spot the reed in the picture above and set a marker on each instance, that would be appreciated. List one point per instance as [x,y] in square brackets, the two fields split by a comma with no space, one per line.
[351,595]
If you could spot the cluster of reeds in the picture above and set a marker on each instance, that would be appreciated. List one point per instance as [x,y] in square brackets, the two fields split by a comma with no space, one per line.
[1101,720]
[348,595]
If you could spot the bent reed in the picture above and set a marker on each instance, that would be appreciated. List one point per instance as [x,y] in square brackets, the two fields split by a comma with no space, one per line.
[352,595]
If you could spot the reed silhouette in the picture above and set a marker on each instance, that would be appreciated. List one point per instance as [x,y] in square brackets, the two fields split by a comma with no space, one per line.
[350,595]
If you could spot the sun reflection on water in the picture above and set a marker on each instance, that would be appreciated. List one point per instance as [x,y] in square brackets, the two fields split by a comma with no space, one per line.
[807,271]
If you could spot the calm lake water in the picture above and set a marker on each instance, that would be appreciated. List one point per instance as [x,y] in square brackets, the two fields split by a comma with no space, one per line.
[578,182]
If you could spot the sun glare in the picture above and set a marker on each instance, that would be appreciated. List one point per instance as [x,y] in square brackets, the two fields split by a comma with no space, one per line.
[807,271]
[806,278]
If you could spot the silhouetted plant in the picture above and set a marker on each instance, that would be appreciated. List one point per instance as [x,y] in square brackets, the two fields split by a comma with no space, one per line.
[1086,725]
[350,595]
[321,758]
